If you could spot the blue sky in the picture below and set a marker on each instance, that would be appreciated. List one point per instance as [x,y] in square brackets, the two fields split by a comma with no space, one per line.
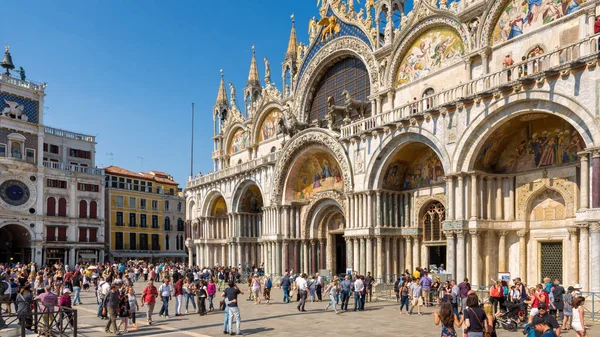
[128,71]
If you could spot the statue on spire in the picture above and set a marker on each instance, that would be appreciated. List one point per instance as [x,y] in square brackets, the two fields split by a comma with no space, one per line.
[267,72]
[233,100]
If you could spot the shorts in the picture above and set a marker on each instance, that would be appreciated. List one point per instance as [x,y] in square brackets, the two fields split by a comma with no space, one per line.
[256,293]
[534,311]
[417,301]
[577,326]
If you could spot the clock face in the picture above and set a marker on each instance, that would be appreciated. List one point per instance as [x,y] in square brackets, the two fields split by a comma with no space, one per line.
[14,192]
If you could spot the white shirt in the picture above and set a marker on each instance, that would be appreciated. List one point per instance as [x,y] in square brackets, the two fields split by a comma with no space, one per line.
[358,285]
[301,283]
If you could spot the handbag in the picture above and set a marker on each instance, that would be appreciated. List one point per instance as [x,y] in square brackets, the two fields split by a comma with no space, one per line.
[485,333]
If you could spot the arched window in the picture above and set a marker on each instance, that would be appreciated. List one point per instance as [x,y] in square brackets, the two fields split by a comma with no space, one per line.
[179,207]
[348,74]
[83,209]
[167,223]
[432,222]
[51,206]
[62,207]
[273,149]
[428,99]
[167,241]
[180,225]
[93,210]
[181,244]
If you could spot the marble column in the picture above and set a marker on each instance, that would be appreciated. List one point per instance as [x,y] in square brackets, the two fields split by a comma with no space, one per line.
[595,257]
[502,252]
[313,246]
[489,197]
[499,199]
[356,262]
[363,256]
[450,253]
[323,254]
[378,209]
[394,256]
[584,257]
[459,198]
[355,223]
[223,255]
[574,254]
[349,253]
[388,258]
[306,267]
[384,208]
[511,198]
[350,211]
[370,255]
[473,196]
[278,258]
[595,180]
[475,265]
[198,256]
[286,255]
[523,255]
[460,256]
[296,256]
[585,181]
[409,262]
[379,257]
[369,223]
[450,198]
[416,254]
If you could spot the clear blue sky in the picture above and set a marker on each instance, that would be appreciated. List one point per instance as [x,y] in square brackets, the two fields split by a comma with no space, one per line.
[128,71]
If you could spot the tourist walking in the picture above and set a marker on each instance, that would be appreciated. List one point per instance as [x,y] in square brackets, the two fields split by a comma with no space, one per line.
[319,286]
[133,306]
[267,288]
[149,295]
[578,323]
[124,310]
[285,284]
[256,289]
[416,297]
[202,294]
[474,317]
[346,289]
[111,306]
[234,311]
[189,292]
[404,295]
[211,290]
[448,318]
[312,288]
[558,293]
[332,289]
[301,287]
[165,292]
[77,283]
[359,287]
[370,282]
[178,296]
[568,308]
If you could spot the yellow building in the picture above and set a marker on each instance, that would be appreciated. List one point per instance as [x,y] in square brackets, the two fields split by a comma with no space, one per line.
[145,214]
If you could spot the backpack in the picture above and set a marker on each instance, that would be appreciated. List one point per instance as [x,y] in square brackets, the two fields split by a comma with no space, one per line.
[269,284]
[3,287]
[494,291]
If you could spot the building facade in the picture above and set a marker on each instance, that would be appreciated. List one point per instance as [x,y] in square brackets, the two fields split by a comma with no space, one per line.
[145,214]
[463,134]
[51,194]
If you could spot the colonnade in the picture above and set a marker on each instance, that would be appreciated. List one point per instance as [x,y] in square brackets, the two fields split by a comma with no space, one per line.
[382,208]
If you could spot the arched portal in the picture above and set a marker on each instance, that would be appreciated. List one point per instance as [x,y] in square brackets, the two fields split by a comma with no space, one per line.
[15,244]
[325,224]
[249,208]
[432,216]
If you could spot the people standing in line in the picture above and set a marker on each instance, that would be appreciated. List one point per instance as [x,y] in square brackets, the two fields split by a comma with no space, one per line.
[404,296]
[234,311]
[332,289]
[211,290]
[178,296]
[568,308]
[111,306]
[346,289]
[455,297]
[474,317]
[425,283]
[312,288]
[397,286]
[359,287]
[165,292]
[149,295]
[416,297]
[285,284]
[319,287]
[301,288]
[267,288]
[23,302]
[448,318]
[495,291]
[543,312]
[538,295]
[578,323]
[65,305]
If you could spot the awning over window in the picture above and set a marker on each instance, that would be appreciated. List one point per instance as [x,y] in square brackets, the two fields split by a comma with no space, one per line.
[88,256]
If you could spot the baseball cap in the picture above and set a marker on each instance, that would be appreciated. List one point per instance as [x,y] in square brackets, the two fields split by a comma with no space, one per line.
[542,305]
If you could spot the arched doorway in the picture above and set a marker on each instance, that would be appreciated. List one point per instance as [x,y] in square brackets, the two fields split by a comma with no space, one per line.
[433,214]
[15,244]
[325,225]
[249,217]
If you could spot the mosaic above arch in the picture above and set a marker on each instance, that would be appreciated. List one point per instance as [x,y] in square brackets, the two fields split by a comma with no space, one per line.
[268,127]
[414,166]
[315,171]
[219,207]
[251,200]
[529,142]
[523,16]
[434,49]
[239,141]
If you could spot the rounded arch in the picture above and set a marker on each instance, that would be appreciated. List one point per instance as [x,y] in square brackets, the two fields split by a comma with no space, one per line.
[232,133]
[406,41]
[299,143]
[191,209]
[209,201]
[392,144]
[431,216]
[327,56]
[240,189]
[497,113]
[321,205]
[260,118]
[556,198]
[22,226]
[565,188]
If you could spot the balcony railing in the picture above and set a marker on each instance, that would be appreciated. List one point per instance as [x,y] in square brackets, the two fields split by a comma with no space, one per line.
[23,84]
[74,168]
[229,171]
[68,134]
[532,68]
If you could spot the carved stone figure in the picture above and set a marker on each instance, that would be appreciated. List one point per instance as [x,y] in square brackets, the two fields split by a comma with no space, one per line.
[313,29]
[233,100]
[388,32]
[14,110]
[267,71]
[370,4]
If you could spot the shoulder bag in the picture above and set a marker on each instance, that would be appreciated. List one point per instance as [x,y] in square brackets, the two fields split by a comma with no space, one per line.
[485,333]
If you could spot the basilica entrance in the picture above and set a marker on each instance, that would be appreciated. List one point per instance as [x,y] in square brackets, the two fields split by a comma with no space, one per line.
[15,244]
[340,254]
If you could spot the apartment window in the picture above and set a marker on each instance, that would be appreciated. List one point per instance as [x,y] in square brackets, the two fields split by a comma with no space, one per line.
[120,201]
[143,222]
[149,188]
[179,207]
[119,241]
[51,207]
[82,234]
[155,205]
[155,242]
[132,220]
[119,219]
[177,242]
[132,202]
[50,233]
[113,182]
[122,183]
[132,241]
[136,185]
[167,223]
[142,203]
[62,207]
[180,225]
[166,205]
[143,241]
[88,187]
[80,154]
[93,235]
[93,209]
[56,183]
[30,155]
[62,234]
[155,221]
[83,206]
[167,242]
[50,148]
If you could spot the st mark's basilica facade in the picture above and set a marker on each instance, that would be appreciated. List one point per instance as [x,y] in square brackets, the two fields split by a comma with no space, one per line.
[462,133]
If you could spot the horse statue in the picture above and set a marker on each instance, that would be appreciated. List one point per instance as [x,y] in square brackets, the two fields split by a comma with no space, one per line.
[354,105]
[14,110]
[288,123]
[333,111]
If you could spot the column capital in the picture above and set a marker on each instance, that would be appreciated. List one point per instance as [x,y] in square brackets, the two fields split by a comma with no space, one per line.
[502,233]
[596,153]
[584,156]
[521,233]
[595,227]
[459,177]
[415,237]
[313,242]
[449,234]
[572,231]
[379,240]
[459,233]
[474,232]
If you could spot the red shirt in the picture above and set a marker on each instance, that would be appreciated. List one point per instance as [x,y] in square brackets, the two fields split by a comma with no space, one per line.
[179,287]
[596,27]
[149,295]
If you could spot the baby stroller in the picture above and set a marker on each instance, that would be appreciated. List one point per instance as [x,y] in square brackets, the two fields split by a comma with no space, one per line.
[508,318]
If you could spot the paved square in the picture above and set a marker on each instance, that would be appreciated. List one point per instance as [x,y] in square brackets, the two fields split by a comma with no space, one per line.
[279,319]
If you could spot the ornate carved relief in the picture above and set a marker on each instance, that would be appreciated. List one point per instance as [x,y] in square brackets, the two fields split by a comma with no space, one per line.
[300,142]
[527,192]
[422,200]
[315,201]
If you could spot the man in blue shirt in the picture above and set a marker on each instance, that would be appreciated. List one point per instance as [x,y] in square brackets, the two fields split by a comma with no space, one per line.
[285,283]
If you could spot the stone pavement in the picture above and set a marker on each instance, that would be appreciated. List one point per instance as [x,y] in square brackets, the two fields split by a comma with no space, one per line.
[279,319]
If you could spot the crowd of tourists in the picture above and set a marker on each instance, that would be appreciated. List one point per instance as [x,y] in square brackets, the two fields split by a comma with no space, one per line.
[543,310]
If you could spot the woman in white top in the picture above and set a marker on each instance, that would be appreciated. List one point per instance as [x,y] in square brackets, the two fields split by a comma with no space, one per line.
[578,323]
[256,289]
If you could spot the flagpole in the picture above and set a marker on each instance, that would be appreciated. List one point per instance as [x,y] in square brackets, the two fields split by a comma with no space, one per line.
[192,149]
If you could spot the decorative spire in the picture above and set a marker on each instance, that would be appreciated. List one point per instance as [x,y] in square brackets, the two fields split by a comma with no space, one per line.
[253,78]
[222,95]
[293,43]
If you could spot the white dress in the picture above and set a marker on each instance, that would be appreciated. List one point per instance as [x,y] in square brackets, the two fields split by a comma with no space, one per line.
[576,324]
